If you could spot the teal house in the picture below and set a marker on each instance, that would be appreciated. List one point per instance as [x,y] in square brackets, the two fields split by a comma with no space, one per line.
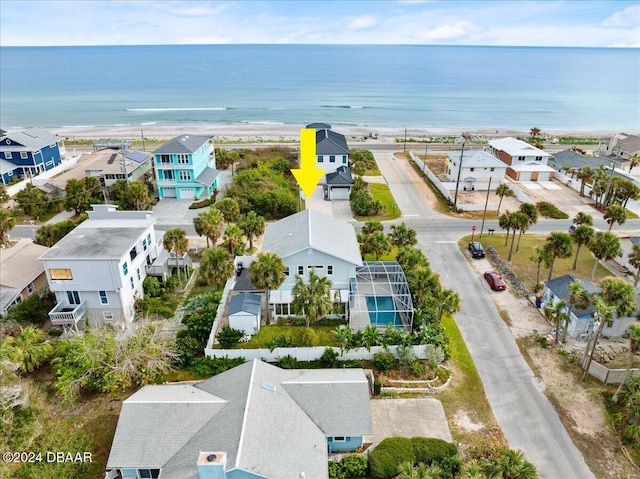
[186,168]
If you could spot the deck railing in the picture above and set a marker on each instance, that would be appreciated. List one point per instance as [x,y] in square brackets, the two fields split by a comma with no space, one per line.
[63,314]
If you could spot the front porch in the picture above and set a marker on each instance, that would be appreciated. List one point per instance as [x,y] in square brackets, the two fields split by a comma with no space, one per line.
[67,315]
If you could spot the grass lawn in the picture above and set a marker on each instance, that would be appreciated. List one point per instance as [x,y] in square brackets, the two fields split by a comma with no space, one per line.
[382,192]
[465,394]
[373,172]
[526,269]
[267,333]
[385,257]
[631,215]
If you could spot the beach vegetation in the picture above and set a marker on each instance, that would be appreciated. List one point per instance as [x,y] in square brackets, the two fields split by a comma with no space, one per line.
[33,310]
[363,162]
[216,266]
[35,203]
[7,222]
[312,299]
[229,208]
[226,158]
[209,224]
[252,224]
[549,210]
[267,273]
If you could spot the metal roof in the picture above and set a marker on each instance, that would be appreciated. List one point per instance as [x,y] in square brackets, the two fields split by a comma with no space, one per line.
[311,229]
[183,144]
[28,140]
[328,142]
[516,147]
[342,176]
[244,302]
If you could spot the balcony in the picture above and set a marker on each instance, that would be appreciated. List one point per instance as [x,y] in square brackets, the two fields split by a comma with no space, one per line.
[64,314]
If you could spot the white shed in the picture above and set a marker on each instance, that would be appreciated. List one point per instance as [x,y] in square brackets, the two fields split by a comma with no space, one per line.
[244,312]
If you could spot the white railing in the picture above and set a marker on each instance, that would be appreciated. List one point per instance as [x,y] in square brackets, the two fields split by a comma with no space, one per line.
[58,316]
[216,323]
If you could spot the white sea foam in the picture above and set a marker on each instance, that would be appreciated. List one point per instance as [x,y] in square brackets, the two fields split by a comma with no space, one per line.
[214,108]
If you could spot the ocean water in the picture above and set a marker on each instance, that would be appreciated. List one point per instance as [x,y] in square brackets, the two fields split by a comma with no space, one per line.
[431,86]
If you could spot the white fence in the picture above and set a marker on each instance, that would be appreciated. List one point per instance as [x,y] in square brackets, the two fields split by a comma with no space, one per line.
[609,376]
[223,302]
[310,353]
[444,189]
[43,177]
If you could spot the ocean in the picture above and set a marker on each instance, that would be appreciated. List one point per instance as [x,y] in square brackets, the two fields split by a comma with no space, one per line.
[581,89]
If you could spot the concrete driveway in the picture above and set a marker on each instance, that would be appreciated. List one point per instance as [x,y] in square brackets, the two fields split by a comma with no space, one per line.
[408,418]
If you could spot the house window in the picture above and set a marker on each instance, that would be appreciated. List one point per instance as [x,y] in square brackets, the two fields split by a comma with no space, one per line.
[332,158]
[167,174]
[282,308]
[149,240]
[125,268]
[317,267]
[521,158]
[320,158]
[472,169]
[300,270]
[60,274]
[30,288]
[149,473]
[133,253]
[133,286]
[185,175]
[73,297]
[107,315]
[183,159]
[7,155]
[138,274]
[538,158]
[144,244]
[103,297]
[330,269]
[52,146]
[492,169]
[339,439]
[286,271]
[23,155]
[344,159]
[165,159]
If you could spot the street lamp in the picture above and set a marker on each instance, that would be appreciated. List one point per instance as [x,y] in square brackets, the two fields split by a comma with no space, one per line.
[465,137]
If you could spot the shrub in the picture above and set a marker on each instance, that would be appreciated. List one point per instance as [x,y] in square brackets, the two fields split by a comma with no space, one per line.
[187,347]
[550,210]
[34,309]
[55,332]
[329,358]
[280,342]
[383,362]
[431,450]
[288,362]
[335,471]
[310,337]
[377,387]
[354,465]
[229,337]
[152,287]
[417,369]
[406,356]
[450,467]
[435,356]
[388,455]
[206,366]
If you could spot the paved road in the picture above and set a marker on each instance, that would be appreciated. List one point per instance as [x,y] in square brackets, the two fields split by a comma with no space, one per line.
[525,415]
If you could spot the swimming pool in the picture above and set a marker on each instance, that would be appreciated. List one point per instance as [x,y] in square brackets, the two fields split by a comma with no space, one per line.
[382,311]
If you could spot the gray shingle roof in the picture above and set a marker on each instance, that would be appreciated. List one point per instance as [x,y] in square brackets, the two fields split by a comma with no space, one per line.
[6,166]
[319,126]
[274,433]
[182,144]
[342,176]
[560,288]
[137,156]
[328,142]
[208,176]
[31,140]
[573,159]
[244,302]
[311,229]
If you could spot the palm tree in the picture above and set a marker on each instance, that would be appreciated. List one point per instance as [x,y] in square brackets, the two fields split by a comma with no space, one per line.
[138,194]
[234,239]
[4,196]
[209,224]
[634,160]
[605,246]
[634,346]
[371,336]
[410,257]
[230,209]
[521,222]
[578,298]
[267,273]
[583,218]
[423,284]
[615,214]
[502,191]
[510,464]
[583,235]
[584,174]
[556,314]
[344,336]
[401,236]
[312,299]
[449,303]
[506,222]
[540,257]
[559,246]
[29,350]
[531,211]
[216,266]
[253,225]
[634,260]
[535,132]
[175,240]
[7,222]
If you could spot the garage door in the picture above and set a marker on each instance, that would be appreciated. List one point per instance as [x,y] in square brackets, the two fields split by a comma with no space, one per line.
[543,176]
[524,176]
[168,192]
[339,193]
[187,193]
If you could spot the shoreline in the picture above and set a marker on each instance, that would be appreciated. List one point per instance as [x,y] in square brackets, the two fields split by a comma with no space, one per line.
[279,132]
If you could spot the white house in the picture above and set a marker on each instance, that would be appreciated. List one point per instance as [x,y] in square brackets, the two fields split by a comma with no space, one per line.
[96,271]
[477,168]
[311,240]
[627,244]
[338,184]
[244,312]
[524,161]
[332,150]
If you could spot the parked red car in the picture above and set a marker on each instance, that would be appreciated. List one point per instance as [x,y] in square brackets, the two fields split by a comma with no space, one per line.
[495,281]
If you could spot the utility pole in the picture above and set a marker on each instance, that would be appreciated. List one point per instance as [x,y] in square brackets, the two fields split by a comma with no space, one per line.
[424,163]
[455,198]
[142,136]
[486,203]
[405,139]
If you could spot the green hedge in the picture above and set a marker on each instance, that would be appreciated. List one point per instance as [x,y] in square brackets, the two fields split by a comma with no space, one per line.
[429,450]
[549,210]
[385,459]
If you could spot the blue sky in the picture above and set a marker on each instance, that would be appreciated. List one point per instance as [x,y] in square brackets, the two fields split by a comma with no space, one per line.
[448,22]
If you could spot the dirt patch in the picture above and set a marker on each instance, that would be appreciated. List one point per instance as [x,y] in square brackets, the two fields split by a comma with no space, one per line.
[462,420]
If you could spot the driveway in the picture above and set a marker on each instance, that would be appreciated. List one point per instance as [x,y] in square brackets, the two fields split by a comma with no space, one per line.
[408,418]
[174,213]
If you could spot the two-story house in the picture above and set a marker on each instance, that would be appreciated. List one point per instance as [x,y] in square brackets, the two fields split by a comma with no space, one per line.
[332,150]
[28,153]
[477,168]
[21,274]
[97,270]
[186,168]
[524,162]
[623,145]
[255,421]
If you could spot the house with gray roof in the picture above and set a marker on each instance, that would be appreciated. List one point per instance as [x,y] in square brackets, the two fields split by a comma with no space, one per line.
[244,312]
[185,168]
[332,150]
[338,184]
[565,159]
[623,145]
[307,241]
[21,274]
[28,153]
[253,421]
[97,270]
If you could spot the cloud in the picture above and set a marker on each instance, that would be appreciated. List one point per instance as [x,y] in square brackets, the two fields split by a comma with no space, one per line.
[450,31]
[362,23]
[627,18]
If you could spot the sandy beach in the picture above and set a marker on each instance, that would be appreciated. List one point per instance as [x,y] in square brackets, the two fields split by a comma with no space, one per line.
[259,132]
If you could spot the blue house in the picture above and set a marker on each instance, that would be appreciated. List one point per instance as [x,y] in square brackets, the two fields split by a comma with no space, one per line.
[186,168]
[255,421]
[28,153]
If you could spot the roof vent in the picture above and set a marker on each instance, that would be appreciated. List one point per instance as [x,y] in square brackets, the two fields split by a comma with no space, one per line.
[212,458]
